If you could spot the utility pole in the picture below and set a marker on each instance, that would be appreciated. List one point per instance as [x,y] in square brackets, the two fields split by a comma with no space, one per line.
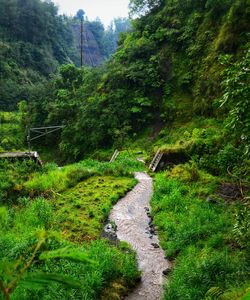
[81,41]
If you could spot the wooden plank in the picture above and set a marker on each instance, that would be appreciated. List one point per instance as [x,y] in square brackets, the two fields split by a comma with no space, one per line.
[33,155]
[114,156]
[156,160]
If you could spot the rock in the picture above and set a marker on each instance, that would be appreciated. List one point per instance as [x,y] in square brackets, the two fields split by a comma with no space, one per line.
[91,51]
[156,246]
[109,233]
[166,271]
[150,221]
[211,200]
[152,231]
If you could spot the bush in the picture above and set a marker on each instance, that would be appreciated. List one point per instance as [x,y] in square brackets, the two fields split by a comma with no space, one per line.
[12,176]
[241,230]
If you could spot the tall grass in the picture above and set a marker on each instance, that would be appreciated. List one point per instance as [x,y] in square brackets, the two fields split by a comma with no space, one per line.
[12,176]
[199,236]
[59,179]
[83,194]
[20,232]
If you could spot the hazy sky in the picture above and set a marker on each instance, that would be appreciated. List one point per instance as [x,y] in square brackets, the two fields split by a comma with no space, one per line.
[105,9]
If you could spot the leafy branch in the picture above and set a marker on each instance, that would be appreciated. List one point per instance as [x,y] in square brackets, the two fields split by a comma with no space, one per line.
[19,275]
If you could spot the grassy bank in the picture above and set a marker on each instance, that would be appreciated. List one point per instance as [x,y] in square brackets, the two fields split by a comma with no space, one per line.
[53,208]
[206,236]
[201,210]
[82,210]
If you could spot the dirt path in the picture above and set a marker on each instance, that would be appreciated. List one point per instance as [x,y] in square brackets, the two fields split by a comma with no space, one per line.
[133,225]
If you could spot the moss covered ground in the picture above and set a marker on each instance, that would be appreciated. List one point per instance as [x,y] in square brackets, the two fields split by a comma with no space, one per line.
[83,209]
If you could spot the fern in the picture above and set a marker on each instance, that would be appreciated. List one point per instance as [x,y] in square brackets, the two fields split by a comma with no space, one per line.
[36,280]
[214,293]
[67,253]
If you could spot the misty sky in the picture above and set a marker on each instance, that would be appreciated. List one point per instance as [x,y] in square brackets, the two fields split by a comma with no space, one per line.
[105,9]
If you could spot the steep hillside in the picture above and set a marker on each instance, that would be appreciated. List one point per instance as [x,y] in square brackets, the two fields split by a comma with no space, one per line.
[92,55]
[35,40]
[180,60]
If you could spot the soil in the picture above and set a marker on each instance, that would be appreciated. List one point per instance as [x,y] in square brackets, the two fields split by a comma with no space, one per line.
[232,191]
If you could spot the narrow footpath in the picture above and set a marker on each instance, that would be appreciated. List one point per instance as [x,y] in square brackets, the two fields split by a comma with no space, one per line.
[132,218]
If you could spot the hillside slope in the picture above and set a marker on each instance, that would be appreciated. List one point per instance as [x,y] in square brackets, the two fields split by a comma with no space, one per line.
[35,40]
[180,60]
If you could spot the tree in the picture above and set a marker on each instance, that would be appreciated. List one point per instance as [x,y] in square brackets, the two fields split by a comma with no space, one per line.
[80,14]
[142,7]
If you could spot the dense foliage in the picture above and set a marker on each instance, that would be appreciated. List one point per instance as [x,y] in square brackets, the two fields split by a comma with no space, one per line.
[210,252]
[180,59]
[179,81]
[35,40]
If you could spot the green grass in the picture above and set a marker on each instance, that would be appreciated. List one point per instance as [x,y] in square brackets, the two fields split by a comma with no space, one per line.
[83,209]
[54,180]
[199,235]
[69,206]
[13,174]
[21,229]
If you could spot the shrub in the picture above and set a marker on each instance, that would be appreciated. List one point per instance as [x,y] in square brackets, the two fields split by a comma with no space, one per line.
[241,229]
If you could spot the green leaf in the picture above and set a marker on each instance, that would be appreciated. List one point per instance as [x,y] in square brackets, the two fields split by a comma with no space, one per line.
[67,253]
[135,109]
[36,280]
[214,293]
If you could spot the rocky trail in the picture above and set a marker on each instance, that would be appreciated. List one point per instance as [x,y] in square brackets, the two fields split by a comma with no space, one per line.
[134,225]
